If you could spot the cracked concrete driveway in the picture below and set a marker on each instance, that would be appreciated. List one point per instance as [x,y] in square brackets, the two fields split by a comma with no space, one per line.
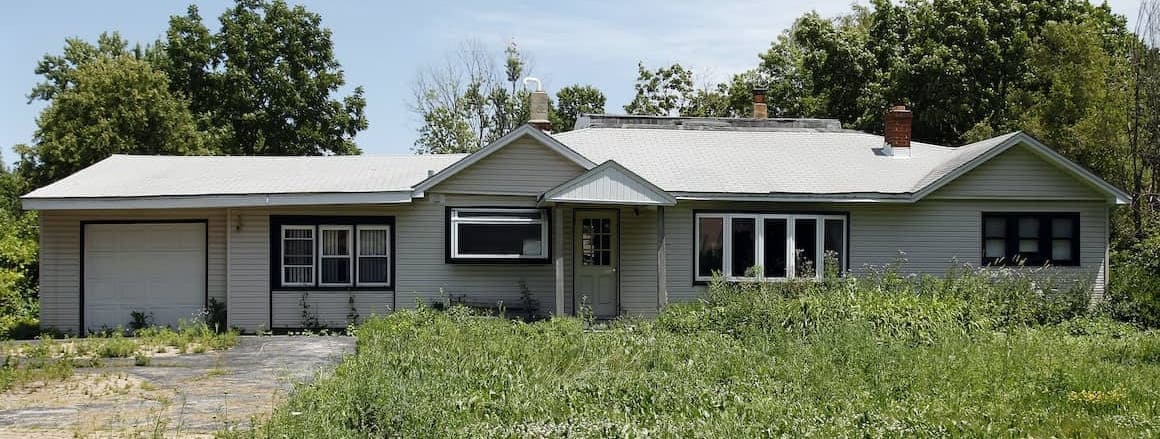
[185,395]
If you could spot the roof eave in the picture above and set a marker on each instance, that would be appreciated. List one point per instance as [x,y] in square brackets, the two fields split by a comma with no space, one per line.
[214,200]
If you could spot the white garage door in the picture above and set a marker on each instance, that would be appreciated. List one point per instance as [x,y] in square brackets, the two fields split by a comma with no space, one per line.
[156,268]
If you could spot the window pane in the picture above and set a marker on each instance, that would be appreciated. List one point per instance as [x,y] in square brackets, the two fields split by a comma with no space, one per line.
[373,242]
[806,247]
[335,242]
[1061,228]
[298,247]
[1028,228]
[835,245]
[995,248]
[775,246]
[372,269]
[995,227]
[335,270]
[1061,250]
[298,233]
[744,250]
[1028,246]
[501,239]
[710,256]
[299,275]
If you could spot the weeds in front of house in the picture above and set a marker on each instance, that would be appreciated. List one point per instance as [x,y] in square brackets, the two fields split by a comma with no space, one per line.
[51,358]
[978,353]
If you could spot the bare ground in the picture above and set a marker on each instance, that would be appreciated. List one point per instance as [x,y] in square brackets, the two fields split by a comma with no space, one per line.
[184,395]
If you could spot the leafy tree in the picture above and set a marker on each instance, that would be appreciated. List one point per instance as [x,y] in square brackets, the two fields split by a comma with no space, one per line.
[468,102]
[573,101]
[663,92]
[111,105]
[18,256]
[264,84]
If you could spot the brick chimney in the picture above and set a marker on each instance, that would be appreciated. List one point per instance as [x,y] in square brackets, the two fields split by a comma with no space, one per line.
[538,111]
[897,122]
[760,108]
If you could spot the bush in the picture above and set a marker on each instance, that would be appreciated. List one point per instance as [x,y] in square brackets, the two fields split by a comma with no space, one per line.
[1134,285]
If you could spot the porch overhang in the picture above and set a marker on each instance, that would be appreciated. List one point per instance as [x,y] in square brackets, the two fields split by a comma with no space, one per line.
[611,184]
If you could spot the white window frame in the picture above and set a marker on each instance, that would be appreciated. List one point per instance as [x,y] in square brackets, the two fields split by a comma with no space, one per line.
[759,244]
[456,220]
[313,256]
[349,257]
[358,254]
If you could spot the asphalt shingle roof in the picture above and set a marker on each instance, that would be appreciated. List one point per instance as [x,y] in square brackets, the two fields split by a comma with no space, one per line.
[144,176]
[770,161]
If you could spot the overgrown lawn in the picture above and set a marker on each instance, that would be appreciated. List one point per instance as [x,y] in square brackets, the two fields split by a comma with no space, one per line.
[970,355]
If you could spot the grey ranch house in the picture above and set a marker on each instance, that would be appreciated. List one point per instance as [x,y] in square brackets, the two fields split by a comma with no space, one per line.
[624,214]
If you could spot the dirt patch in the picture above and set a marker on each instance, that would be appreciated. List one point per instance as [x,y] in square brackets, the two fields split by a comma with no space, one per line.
[175,395]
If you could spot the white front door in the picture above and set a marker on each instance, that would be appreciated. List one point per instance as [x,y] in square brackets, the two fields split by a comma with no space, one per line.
[596,260]
[157,269]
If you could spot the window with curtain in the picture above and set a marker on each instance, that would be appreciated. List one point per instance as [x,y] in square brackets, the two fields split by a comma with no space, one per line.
[769,246]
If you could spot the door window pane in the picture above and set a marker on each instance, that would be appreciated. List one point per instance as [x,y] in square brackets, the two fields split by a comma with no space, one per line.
[775,247]
[806,247]
[744,252]
[710,246]
[835,246]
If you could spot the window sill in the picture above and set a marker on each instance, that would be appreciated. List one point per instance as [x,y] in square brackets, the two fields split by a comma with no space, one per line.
[332,289]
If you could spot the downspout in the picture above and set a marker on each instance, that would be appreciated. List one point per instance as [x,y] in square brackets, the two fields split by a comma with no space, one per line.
[229,267]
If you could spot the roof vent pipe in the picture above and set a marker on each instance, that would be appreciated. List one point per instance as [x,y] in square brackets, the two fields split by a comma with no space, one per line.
[538,112]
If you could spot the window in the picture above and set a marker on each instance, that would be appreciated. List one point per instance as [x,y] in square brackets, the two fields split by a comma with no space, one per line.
[335,256]
[332,252]
[1030,238]
[374,255]
[494,234]
[781,246]
[297,255]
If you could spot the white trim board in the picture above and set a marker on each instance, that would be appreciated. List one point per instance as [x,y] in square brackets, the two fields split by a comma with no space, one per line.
[651,194]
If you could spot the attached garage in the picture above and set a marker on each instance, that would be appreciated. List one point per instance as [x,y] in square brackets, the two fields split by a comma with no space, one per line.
[155,268]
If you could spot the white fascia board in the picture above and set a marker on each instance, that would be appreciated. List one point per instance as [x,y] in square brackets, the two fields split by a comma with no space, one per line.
[208,201]
[794,198]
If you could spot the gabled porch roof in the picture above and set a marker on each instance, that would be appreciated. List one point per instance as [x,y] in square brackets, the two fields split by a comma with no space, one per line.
[609,183]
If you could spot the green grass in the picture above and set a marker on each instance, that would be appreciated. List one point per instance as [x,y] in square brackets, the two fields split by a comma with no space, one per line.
[842,359]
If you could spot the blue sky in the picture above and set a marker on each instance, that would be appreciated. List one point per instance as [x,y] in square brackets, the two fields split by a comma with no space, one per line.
[382,45]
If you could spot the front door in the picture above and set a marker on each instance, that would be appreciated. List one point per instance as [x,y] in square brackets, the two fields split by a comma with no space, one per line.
[596,260]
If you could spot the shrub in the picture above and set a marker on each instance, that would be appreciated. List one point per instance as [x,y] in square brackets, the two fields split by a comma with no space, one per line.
[1134,285]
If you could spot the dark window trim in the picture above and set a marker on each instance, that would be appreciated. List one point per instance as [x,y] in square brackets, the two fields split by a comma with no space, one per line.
[1043,255]
[276,223]
[693,218]
[547,259]
[81,290]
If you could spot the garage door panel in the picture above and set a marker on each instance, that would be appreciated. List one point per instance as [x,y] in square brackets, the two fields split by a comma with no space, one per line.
[152,268]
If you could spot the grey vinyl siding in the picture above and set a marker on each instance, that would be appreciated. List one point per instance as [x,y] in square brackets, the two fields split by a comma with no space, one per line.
[333,309]
[421,270]
[524,167]
[1017,173]
[60,256]
[638,261]
[929,235]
